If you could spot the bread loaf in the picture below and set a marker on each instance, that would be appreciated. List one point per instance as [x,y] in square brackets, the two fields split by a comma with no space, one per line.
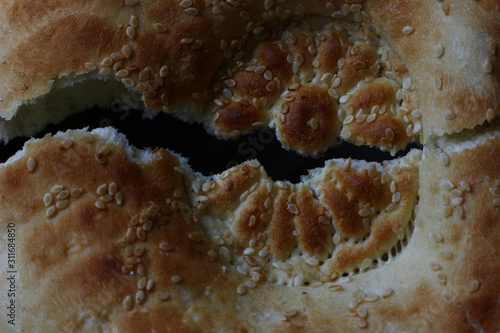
[98,235]
[371,72]
[114,239]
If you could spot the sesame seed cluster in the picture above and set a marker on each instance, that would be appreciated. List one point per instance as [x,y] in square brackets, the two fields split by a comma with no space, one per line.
[326,227]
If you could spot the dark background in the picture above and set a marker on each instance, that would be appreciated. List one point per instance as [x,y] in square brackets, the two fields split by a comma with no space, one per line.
[207,154]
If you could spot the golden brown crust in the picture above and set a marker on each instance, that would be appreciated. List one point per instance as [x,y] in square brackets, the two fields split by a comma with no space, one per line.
[309,122]
[457,82]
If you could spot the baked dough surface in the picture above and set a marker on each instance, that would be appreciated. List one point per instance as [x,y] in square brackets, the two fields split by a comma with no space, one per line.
[110,238]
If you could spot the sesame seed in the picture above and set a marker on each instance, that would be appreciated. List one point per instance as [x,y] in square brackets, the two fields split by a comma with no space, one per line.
[119,198]
[164,246]
[245,15]
[88,137]
[416,113]
[101,190]
[127,268]
[495,191]
[186,3]
[313,123]
[99,204]
[62,204]
[161,296]
[127,303]
[133,21]
[90,66]
[47,199]
[176,279]
[447,255]
[396,197]
[465,186]
[197,44]
[435,266]
[191,11]
[487,66]
[212,254]
[105,71]
[324,220]
[353,303]
[141,234]
[407,30]
[142,282]
[127,51]
[67,143]
[364,212]
[347,164]
[250,284]
[439,50]
[147,226]
[139,250]
[335,287]
[490,115]
[141,270]
[312,261]
[107,62]
[447,210]
[292,208]
[56,189]
[362,323]
[150,285]
[393,187]
[372,170]
[131,234]
[392,207]
[445,8]
[140,296]
[50,211]
[130,32]
[344,99]
[248,251]
[349,119]
[241,289]
[385,142]
[122,73]
[441,278]
[447,185]
[117,56]
[387,292]
[150,93]
[129,251]
[127,82]
[407,83]
[362,312]
[474,286]
[449,115]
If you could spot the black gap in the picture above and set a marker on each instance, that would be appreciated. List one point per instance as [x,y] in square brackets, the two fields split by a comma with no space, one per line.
[207,154]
